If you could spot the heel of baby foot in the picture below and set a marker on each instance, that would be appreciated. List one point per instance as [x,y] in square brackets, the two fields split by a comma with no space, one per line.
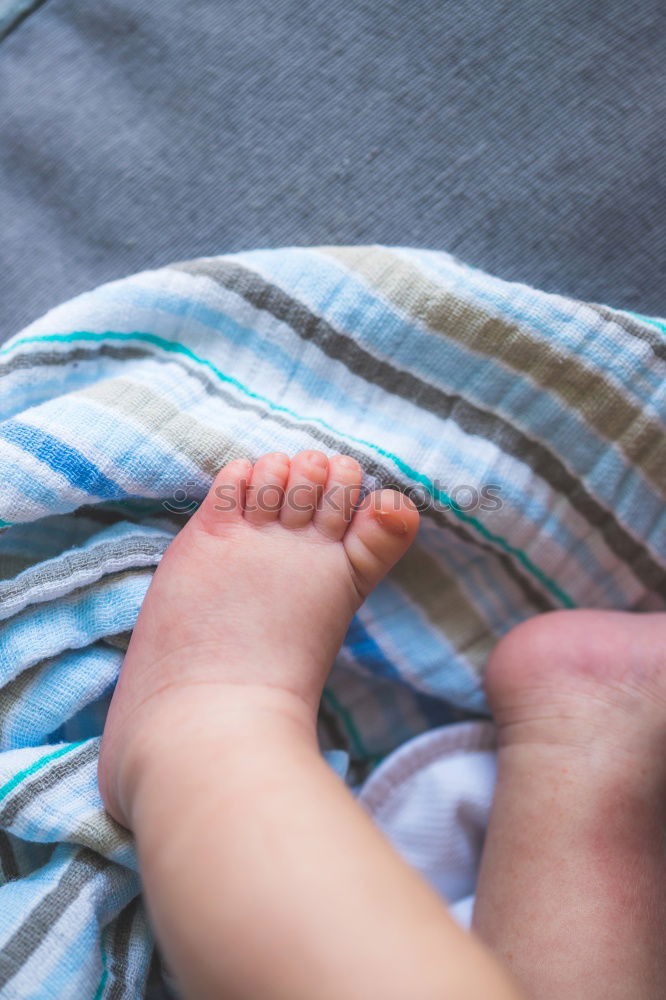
[580,676]
[563,651]
[543,661]
[381,531]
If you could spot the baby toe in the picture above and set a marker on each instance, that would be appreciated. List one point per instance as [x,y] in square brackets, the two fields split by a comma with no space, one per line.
[307,476]
[266,490]
[381,531]
[339,497]
[225,501]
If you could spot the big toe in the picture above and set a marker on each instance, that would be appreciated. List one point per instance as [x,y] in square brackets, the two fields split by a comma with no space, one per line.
[225,501]
[380,533]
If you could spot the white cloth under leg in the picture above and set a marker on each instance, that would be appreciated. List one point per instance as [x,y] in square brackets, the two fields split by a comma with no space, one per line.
[432,798]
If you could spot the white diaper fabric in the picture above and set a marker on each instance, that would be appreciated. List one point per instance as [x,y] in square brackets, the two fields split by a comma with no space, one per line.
[432,798]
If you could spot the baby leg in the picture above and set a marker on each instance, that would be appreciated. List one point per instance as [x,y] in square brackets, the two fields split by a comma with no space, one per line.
[572,892]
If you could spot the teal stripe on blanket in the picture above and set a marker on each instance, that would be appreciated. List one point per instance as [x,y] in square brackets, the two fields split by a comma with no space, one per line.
[37,765]
[120,405]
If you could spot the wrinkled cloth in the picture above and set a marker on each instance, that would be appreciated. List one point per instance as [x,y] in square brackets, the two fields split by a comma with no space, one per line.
[529,428]
[526,137]
[431,797]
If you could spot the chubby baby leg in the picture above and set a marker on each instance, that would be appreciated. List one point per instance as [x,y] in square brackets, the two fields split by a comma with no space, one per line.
[572,891]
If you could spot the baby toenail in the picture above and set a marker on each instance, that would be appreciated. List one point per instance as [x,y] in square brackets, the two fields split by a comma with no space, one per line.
[346,462]
[392,521]
[316,458]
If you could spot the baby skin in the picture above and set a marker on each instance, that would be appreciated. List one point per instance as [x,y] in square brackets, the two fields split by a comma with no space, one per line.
[572,891]
[264,878]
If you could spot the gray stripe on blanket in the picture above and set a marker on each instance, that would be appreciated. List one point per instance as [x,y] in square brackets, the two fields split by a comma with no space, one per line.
[25,360]
[12,565]
[122,937]
[470,418]
[100,560]
[29,935]
[62,767]
[8,865]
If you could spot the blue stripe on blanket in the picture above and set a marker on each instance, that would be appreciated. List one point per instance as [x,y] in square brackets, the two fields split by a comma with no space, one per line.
[61,458]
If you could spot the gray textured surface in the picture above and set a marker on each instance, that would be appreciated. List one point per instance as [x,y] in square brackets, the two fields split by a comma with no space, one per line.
[13,11]
[524,137]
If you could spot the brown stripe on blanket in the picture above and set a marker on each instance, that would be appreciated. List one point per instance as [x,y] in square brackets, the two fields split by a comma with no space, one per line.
[433,591]
[604,406]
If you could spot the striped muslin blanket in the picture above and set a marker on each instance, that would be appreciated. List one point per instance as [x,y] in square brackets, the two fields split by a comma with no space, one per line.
[528,428]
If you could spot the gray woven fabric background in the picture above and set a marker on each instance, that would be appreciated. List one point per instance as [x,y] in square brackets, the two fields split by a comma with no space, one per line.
[525,137]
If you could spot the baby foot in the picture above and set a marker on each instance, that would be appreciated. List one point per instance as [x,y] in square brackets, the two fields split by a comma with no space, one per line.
[571,887]
[256,591]
[591,680]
